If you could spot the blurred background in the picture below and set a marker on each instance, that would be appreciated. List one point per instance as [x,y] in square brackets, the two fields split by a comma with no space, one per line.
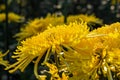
[107,10]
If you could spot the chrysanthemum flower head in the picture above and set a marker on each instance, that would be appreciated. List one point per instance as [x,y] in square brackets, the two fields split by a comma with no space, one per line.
[51,40]
[33,27]
[96,54]
[112,38]
[39,25]
[112,33]
[84,17]
[104,57]
[78,60]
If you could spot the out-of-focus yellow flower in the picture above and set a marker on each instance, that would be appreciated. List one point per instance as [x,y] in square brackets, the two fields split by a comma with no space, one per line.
[2,7]
[115,2]
[53,40]
[2,17]
[3,62]
[12,17]
[86,18]
[33,27]
[15,17]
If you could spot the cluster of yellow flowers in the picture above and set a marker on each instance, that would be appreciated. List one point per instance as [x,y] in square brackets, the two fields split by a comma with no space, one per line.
[87,55]
[98,56]
[51,41]
[33,27]
[12,17]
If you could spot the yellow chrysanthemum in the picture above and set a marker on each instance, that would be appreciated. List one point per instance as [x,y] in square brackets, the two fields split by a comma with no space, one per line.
[38,25]
[104,62]
[113,34]
[106,52]
[51,40]
[2,17]
[112,38]
[12,17]
[3,62]
[85,18]
[87,65]
[115,27]
[77,60]
[96,55]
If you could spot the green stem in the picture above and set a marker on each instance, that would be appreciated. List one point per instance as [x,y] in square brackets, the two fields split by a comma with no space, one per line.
[64,60]
[109,75]
[36,68]
[46,57]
